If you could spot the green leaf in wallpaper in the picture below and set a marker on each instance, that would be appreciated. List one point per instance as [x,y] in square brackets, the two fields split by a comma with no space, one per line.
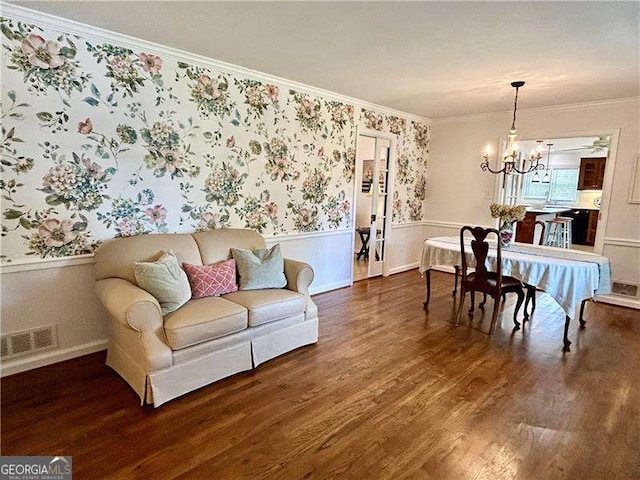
[12,214]
[67,52]
[44,116]
[91,101]
[24,223]
[53,200]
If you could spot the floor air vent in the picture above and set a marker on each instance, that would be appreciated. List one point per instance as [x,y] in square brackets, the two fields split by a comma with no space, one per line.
[28,342]
[626,289]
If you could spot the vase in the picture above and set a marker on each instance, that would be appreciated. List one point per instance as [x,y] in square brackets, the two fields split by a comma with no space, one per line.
[506,233]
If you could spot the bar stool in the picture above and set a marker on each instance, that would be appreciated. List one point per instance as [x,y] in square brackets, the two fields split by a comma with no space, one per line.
[558,232]
[566,231]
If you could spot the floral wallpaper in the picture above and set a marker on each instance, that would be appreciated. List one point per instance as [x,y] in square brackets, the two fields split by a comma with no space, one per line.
[100,141]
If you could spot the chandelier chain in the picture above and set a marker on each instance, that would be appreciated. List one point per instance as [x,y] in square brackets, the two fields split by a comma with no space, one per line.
[515,108]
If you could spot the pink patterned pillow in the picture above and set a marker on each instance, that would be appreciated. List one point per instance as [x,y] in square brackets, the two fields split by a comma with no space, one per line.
[211,280]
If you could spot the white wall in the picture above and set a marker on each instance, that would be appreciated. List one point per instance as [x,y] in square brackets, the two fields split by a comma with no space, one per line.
[460,193]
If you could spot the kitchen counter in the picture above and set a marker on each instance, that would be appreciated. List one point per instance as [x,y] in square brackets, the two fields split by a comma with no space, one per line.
[548,210]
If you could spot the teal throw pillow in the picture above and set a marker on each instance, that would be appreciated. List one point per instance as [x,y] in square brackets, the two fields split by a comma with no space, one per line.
[260,269]
[165,280]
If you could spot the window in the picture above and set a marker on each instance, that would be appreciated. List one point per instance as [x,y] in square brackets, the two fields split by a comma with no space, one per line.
[534,190]
[562,188]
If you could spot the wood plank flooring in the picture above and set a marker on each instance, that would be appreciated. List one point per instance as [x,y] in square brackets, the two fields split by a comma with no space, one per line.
[390,391]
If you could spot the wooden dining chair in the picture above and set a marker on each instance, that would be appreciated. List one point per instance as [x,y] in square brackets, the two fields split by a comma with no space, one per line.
[493,284]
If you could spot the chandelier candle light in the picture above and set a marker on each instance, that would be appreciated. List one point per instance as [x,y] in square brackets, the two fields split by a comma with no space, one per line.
[512,158]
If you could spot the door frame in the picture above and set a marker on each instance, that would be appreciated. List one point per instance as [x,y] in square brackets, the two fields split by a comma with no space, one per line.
[607,184]
[393,140]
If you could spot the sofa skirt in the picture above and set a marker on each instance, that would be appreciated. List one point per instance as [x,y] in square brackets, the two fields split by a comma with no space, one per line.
[163,385]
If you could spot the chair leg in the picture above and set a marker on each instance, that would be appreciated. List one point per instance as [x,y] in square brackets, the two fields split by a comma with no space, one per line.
[483,302]
[531,297]
[473,300]
[520,294]
[494,316]
[461,306]
[455,280]
[583,322]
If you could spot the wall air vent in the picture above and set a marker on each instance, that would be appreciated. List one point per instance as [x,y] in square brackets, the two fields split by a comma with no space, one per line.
[28,342]
[626,289]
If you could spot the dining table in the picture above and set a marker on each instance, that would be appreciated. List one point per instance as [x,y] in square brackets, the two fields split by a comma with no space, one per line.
[570,277]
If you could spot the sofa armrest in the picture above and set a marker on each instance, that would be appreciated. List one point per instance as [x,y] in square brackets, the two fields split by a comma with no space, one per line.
[299,275]
[129,304]
[139,327]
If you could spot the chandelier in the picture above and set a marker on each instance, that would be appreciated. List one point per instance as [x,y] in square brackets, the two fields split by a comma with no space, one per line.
[512,159]
[546,178]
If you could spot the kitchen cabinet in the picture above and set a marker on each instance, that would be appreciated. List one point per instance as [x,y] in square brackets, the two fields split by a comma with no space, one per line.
[584,225]
[591,173]
[593,226]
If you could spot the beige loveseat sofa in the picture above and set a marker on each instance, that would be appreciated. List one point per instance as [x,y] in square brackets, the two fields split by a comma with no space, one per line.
[206,339]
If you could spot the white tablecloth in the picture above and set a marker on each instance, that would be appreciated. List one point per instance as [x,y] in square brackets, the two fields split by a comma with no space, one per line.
[569,276]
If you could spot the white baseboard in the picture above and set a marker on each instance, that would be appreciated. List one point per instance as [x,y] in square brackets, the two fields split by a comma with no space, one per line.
[329,286]
[23,364]
[444,268]
[619,301]
[403,268]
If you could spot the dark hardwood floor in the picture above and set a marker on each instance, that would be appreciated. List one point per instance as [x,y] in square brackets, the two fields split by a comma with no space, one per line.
[390,391]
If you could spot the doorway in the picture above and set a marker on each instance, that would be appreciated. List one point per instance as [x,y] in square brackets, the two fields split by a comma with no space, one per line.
[371,197]
[575,185]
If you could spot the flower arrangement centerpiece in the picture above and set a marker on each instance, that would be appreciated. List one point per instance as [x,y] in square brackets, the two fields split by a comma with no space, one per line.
[507,215]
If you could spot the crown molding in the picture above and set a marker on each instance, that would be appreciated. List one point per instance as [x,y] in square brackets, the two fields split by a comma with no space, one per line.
[613,102]
[42,19]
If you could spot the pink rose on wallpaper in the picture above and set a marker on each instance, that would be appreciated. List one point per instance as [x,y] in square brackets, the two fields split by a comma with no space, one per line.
[321,151]
[271,209]
[208,87]
[272,92]
[350,110]
[56,233]
[85,127]
[211,221]
[346,206]
[92,168]
[42,54]
[231,141]
[169,159]
[157,214]
[307,109]
[150,63]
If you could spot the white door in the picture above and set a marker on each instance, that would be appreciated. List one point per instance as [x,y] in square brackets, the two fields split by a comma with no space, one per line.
[379,206]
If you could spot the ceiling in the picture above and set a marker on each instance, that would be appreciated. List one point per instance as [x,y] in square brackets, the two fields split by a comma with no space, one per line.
[434,59]
[568,144]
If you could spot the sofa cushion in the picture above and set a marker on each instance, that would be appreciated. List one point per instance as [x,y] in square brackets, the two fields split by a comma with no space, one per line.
[215,245]
[115,257]
[259,269]
[165,280]
[203,319]
[211,280]
[268,305]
